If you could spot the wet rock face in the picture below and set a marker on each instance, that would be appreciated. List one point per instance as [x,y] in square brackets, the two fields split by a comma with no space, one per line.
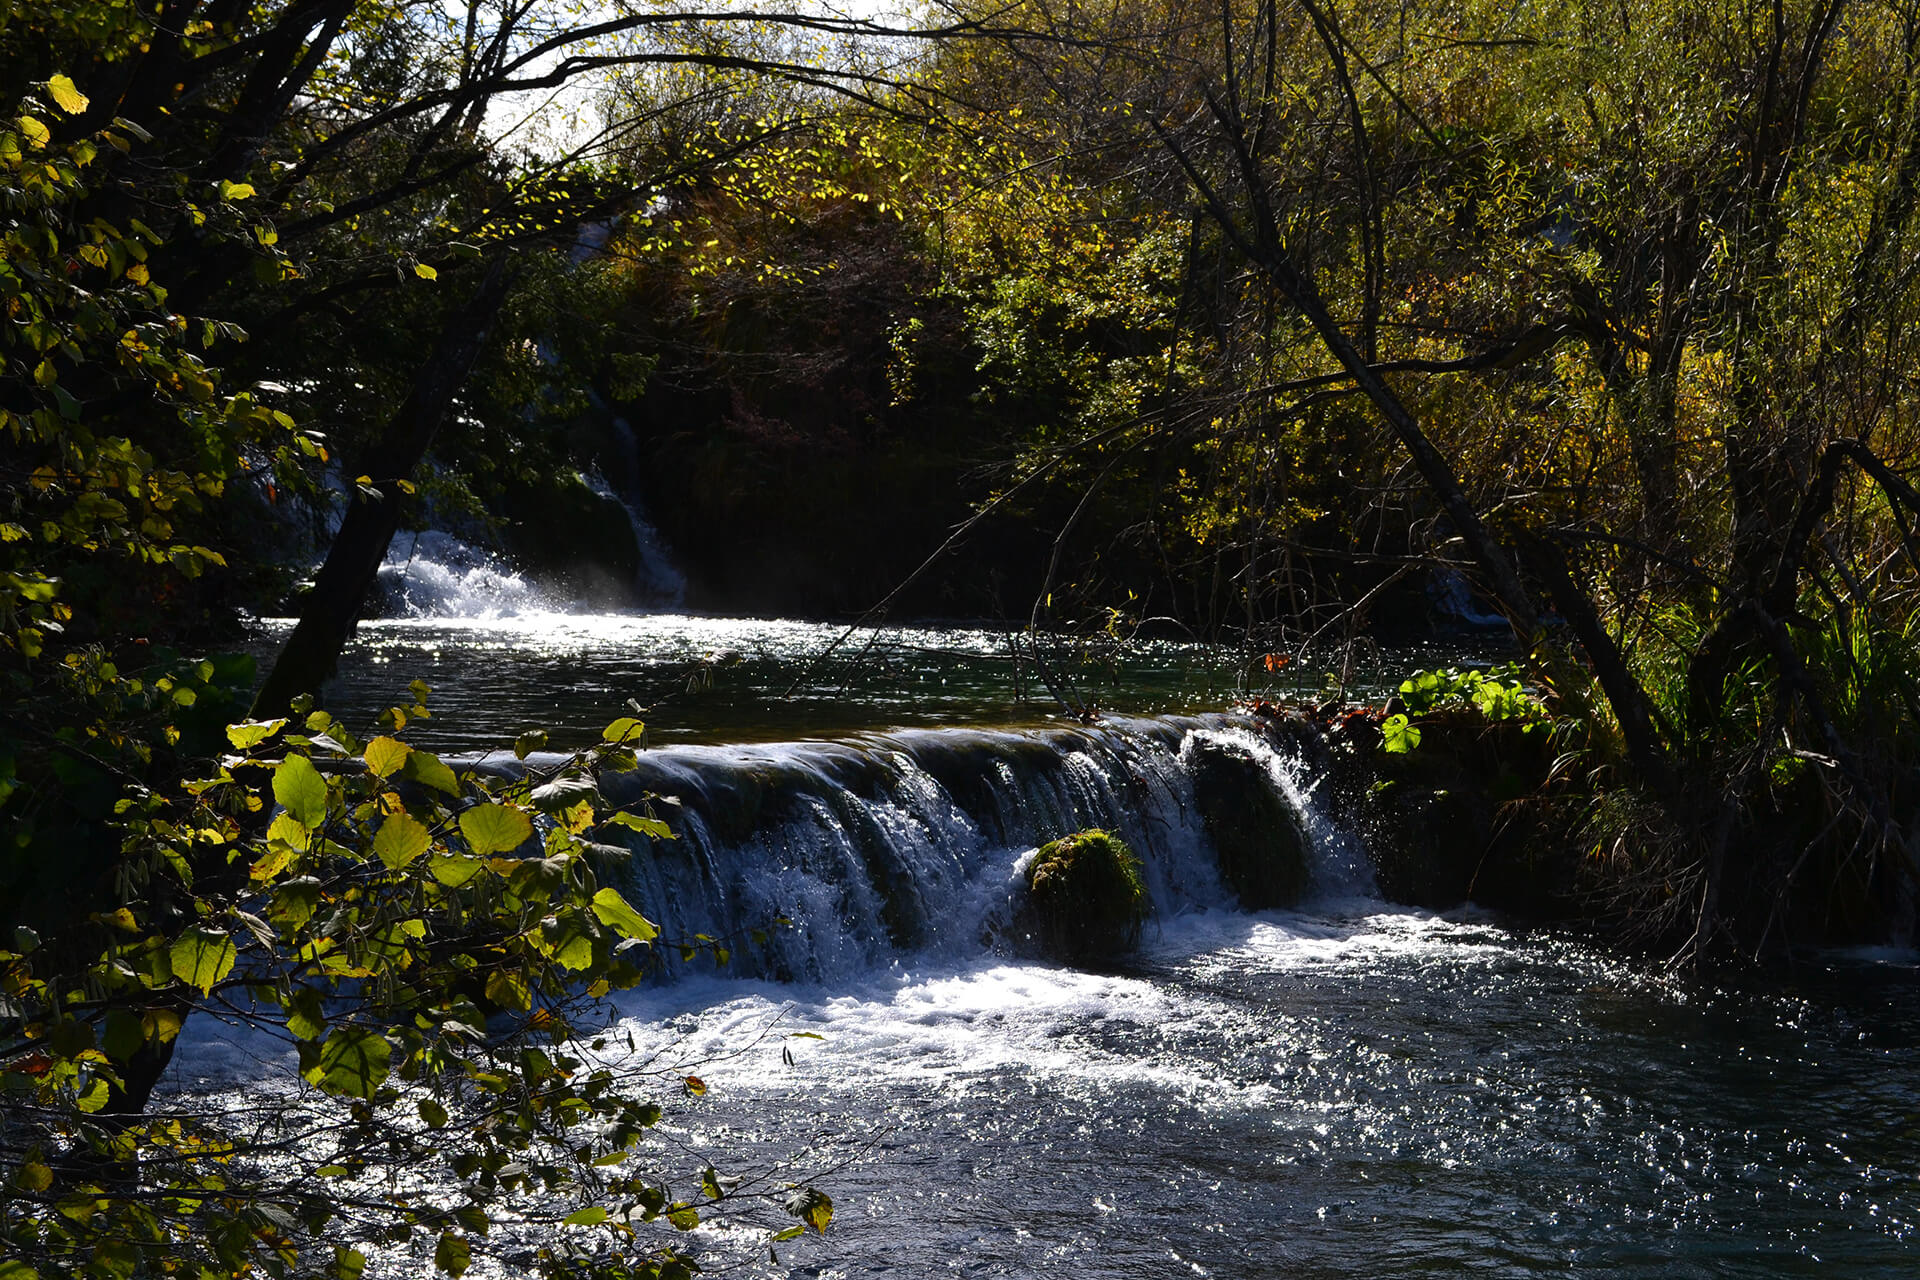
[1430,831]
[1261,842]
[1085,899]
[564,532]
[1466,816]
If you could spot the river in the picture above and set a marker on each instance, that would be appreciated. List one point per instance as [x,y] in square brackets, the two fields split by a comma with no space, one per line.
[1349,1088]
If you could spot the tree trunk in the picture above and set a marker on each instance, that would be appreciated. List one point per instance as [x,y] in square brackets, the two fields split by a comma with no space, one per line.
[353,561]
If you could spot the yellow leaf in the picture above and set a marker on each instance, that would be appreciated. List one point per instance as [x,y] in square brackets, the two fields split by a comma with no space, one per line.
[68,98]
[272,862]
[386,755]
[400,840]
[37,134]
[425,272]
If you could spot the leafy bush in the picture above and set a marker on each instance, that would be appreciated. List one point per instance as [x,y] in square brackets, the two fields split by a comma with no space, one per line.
[431,940]
[1496,693]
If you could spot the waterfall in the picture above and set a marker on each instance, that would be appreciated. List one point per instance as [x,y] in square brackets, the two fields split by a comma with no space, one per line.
[435,574]
[820,860]
[659,581]
[1338,861]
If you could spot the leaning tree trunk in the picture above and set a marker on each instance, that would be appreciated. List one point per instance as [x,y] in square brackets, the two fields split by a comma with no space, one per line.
[353,561]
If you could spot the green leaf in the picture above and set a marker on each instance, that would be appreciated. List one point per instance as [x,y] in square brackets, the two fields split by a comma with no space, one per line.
[348,1264]
[452,1255]
[613,911]
[202,957]
[528,743]
[94,1099]
[566,937]
[288,830]
[125,1034]
[251,733]
[305,1017]
[625,729]
[427,769]
[386,755]
[235,190]
[494,828]
[564,793]
[645,826]
[432,1114]
[585,1217]
[455,870]
[12,1269]
[400,840]
[353,1062]
[508,989]
[683,1216]
[298,786]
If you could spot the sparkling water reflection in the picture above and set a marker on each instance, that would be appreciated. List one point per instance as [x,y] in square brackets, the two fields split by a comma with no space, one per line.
[708,679]
[1346,1090]
[1280,1095]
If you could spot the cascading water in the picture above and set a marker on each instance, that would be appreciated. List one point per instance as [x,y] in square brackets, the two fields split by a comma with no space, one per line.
[913,841]
[658,582]
[435,574]
[1342,1088]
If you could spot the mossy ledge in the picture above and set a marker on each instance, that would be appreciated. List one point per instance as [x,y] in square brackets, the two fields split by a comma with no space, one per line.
[1086,901]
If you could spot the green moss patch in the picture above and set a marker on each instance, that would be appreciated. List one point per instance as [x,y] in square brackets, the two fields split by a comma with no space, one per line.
[1086,897]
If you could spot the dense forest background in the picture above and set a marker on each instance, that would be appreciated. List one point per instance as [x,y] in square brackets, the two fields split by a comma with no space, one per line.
[1246,320]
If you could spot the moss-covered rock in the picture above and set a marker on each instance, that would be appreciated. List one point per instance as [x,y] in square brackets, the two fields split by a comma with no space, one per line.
[1085,899]
[1259,837]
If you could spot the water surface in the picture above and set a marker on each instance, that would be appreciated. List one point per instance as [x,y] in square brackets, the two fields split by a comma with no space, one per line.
[714,679]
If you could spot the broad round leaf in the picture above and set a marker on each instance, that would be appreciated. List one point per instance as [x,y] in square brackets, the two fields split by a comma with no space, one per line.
[202,957]
[564,793]
[428,770]
[452,1255]
[614,912]
[495,828]
[66,96]
[251,733]
[298,786]
[386,756]
[354,1062]
[454,871]
[625,729]
[811,1206]
[400,840]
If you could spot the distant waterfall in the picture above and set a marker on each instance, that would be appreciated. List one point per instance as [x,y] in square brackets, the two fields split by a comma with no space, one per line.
[659,582]
[915,841]
[435,574]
